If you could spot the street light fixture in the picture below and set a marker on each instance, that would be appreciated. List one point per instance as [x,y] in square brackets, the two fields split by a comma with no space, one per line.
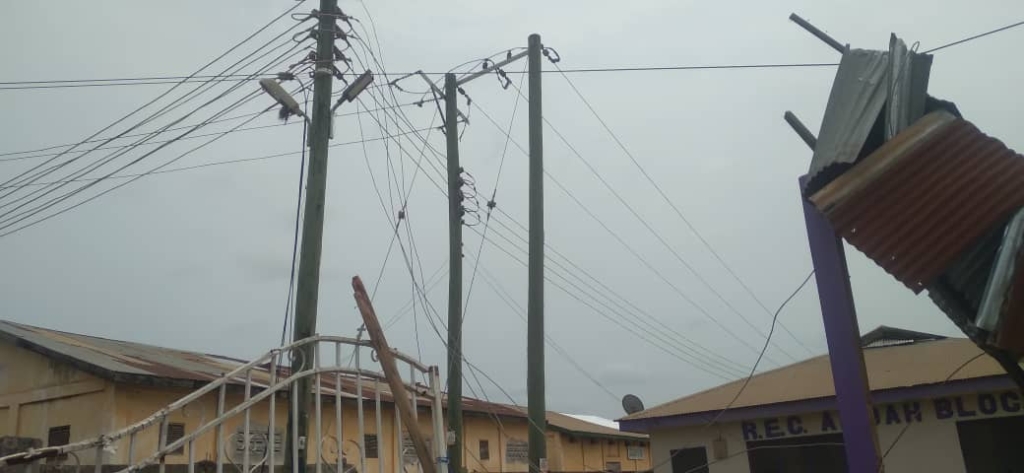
[354,89]
[289,105]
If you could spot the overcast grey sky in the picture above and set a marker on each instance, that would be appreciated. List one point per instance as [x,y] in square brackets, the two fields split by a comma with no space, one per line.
[199,260]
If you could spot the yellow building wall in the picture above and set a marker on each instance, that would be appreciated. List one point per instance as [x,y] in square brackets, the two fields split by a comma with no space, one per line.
[135,404]
[594,454]
[37,393]
[930,443]
[477,428]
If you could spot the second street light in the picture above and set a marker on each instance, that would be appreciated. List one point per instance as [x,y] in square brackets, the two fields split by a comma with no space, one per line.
[307,290]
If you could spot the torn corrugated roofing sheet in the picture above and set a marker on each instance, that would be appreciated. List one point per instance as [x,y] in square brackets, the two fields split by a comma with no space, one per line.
[907,86]
[925,196]
[857,97]
[867,84]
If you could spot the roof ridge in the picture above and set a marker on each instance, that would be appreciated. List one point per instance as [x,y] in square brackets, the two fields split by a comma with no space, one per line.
[128,342]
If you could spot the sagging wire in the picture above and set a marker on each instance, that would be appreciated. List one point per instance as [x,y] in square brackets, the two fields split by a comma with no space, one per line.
[470,199]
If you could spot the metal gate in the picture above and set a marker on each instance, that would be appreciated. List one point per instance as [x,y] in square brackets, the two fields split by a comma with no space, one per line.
[263,389]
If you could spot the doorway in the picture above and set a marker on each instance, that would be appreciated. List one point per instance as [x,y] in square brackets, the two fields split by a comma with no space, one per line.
[992,445]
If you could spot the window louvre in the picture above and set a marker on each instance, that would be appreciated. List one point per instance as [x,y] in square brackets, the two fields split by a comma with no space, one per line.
[635,452]
[175,432]
[59,436]
[370,443]
[485,450]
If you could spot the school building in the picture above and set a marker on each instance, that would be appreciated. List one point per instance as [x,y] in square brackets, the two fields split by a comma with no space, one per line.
[940,406]
[61,388]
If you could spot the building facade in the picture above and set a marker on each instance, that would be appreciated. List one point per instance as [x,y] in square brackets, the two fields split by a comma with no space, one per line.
[940,405]
[61,388]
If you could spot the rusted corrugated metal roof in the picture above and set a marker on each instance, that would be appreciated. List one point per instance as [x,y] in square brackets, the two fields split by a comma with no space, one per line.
[924,197]
[137,363]
[108,358]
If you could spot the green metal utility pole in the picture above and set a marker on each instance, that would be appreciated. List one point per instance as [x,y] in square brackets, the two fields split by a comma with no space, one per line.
[307,291]
[535,402]
[451,129]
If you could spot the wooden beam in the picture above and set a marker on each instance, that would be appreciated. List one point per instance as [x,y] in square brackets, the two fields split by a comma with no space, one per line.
[394,379]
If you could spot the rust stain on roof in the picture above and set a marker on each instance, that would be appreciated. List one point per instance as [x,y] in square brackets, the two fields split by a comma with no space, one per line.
[891,367]
[111,358]
[924,197]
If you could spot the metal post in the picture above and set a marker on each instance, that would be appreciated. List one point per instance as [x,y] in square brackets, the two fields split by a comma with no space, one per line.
[246,423]
[455,272]
[360,416]
[379,425]
[161,443]
[535,298]
[818,33]
[272,420]
[843,337]
[218,442]
[437,419]
[307,290]
[319,413]
[339,440]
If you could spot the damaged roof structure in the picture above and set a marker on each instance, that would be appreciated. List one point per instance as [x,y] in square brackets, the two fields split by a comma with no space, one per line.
[924,193]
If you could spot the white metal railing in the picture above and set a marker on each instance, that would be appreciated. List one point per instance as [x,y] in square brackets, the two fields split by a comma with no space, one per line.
[261,382]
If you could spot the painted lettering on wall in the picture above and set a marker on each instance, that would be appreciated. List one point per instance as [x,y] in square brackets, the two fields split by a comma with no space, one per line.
[942,408]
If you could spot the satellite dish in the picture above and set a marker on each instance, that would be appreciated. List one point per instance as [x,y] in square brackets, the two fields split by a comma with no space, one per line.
[632,404]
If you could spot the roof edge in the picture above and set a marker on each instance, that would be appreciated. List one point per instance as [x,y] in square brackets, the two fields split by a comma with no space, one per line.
[888,396]
[622,435]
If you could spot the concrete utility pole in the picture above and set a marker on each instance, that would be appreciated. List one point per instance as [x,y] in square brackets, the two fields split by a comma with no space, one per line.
[451,129]
[307,291]
[535,402]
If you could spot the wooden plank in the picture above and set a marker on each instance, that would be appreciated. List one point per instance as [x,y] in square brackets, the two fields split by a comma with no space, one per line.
[394,379]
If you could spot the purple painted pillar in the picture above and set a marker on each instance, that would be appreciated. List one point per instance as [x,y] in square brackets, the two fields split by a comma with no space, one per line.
[837,310]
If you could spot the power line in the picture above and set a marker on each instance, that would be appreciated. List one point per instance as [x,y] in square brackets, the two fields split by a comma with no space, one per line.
[109,83]
[225,162]
[746,381]
[771,331]
[678,213]
[219,120]
[908,424]
[35,175]
[11,220]
[702,360]
[667,246]
[53,202]
[491,204]
[972,38]
[50,84]
[643,221]
[175,78]
[568,272]
[507,298]
[441,190]
[298,219]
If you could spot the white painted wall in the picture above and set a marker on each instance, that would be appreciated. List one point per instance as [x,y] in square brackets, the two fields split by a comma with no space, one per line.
[930,443]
